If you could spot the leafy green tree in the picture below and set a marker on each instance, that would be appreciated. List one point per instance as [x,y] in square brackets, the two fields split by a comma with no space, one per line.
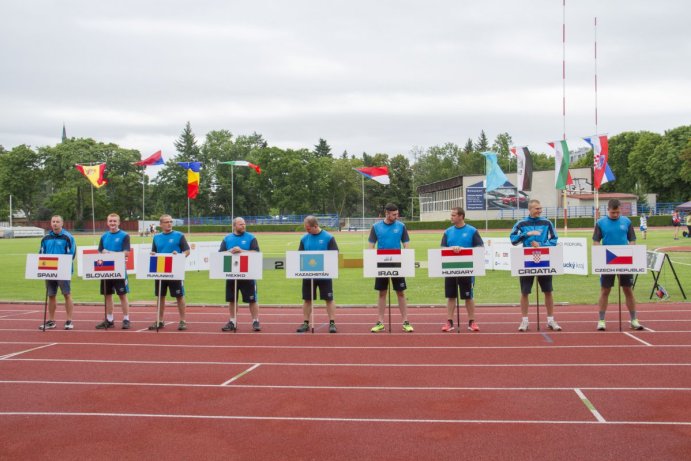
[501,146]
[482,143]
[639,162]
[19,178]
[322,149]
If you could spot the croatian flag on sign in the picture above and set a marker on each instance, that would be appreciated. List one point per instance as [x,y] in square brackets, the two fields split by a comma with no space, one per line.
[536,257]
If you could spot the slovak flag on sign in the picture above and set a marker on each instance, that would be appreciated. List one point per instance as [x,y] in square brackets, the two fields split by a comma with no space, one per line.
[536,257]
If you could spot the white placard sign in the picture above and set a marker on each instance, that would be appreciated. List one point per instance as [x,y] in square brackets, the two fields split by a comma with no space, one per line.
[389,263]
[48,267]
[246,265]
[575,255]
[537,261]
[103,266]
[655,260]
[312,264]
[619,259]
[466,262]
[497,253]
[161,266]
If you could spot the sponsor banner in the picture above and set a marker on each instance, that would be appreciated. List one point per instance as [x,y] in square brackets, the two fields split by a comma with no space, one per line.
[497,254]
[537,261]
[48,267]
[161,266]
[389,263]
[312,264]
[97,266]
[448,263]
[619,259]
[575,252]
[239,266]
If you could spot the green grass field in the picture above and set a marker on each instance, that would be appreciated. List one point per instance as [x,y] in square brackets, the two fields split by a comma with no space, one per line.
[351,288]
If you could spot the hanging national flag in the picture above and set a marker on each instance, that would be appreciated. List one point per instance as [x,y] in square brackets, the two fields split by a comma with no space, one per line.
[378,173]
[101,265]
[243,163]
[47,263]
[623,256]
[236,263]
[93,173]
[312,262]
[495,177]
[525,167]
[193,169]
[161,264]
[461,260]
[389,258]
[600,147]
[151,160]
[608,176]
[536,257]
[562,159]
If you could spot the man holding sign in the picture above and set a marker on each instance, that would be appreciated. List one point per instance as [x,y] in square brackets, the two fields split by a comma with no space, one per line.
[317,239]
[615,229]
[57,242]
[236,243]
[535,232]
[115,241]
[390,234]
[457,237]
[170,241]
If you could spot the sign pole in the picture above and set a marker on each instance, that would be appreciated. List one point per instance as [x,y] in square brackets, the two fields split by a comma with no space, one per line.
[537,301]
[45,309]
[390,282]
[235,304]
[105,306]
[312,304]
[619,299]
[458,309]
[158,306]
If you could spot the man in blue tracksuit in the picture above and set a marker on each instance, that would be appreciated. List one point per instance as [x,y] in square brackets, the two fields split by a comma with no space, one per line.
[58,242]
[535,231]
[115,240]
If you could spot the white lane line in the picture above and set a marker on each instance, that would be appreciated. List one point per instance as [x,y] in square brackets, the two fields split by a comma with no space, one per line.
[240,375]
[339,420]
[590,406]
[14,354]
[638,339]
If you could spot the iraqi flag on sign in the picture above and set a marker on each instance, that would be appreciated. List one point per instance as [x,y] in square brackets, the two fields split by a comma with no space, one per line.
[536,257]
[388,258]
[236,263]
[461,260]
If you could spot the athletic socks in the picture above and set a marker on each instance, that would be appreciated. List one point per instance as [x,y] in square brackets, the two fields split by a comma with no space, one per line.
[110,317]
[602,315]
[550,319]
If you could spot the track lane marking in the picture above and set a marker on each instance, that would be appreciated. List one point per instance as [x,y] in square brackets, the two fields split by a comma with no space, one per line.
[14,354]
[240,375]
[638,339]
[590,406]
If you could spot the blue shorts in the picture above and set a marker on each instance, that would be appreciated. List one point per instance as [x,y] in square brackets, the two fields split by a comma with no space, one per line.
[175,287]
[545,282]
[117,286]
[248,288]
[326,289]
[52,287]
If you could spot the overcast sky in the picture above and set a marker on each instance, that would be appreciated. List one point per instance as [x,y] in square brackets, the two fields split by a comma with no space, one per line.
[372,76]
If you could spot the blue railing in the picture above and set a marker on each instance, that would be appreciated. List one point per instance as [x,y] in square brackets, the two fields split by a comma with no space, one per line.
[328,220]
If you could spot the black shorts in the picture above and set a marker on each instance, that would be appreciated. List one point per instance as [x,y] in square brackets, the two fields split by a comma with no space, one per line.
[326,289]
[248,288]
[398,283]
[174,287]
[117,286]
[451,285]
[545,282]
[607,280]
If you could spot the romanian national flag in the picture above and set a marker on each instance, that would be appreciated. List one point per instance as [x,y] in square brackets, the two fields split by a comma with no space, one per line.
[161,264]
[193,169]
[236,263]
[461,260]
[153,159]
[94,173]
[104,266]
[46,263]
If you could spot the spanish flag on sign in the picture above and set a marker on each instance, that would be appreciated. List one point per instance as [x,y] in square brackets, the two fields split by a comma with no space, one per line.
[46,263]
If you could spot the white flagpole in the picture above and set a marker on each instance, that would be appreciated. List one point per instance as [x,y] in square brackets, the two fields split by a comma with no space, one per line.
[597,190]
[93,212]
[363,211]
[188,215]
[232,195]
[143,209]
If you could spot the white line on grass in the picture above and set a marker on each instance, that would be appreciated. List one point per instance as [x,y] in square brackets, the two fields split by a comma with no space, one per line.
[590,406]
[240,375]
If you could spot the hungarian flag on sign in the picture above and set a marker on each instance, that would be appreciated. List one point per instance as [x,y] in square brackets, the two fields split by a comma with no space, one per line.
[461,260]
[94,173]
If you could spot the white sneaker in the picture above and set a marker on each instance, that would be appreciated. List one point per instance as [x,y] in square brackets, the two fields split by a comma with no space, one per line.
[523,326]
[601,325]
[553,325]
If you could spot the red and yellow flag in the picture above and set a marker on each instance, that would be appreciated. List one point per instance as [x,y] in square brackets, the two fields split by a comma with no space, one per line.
[193,169]
[94,173]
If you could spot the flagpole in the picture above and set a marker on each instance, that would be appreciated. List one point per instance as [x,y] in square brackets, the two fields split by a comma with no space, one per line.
[93,212]
[232,194]
[188,216]
[143,210]
[363,211]
[597,189]
[563,84]
[485,194]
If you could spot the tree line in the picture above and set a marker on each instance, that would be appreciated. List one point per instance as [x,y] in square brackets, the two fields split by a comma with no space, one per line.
[43,180]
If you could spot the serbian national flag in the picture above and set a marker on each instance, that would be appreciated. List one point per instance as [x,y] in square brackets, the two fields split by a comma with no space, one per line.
[104,266]
[536,257]
[236,263]
[623,256]
[600,147]
[388,258]
[161,264]
[461,260]
[378,173]
[94,173]
[151,160]
[193,169]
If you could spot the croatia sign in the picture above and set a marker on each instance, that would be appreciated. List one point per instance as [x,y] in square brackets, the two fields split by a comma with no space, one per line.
[389,263]
[98,266]
[446,262]
[537,261]
[161,266]
[619,259]
[312,264]
[48,267]
[239,266]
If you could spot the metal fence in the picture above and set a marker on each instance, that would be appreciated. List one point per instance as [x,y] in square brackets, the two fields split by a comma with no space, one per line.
[328,220]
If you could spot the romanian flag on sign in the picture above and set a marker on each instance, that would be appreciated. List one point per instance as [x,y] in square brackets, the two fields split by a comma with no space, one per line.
[47,263]
[193,169]
[94,173]
[161,264]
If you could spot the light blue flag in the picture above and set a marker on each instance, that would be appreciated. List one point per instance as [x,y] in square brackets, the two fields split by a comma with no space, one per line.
[495,177]
[312,262]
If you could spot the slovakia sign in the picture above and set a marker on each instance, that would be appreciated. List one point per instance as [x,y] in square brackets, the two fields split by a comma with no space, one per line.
[100,266]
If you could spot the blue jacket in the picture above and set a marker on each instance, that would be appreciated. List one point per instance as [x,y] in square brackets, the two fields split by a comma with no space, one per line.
[547,238]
